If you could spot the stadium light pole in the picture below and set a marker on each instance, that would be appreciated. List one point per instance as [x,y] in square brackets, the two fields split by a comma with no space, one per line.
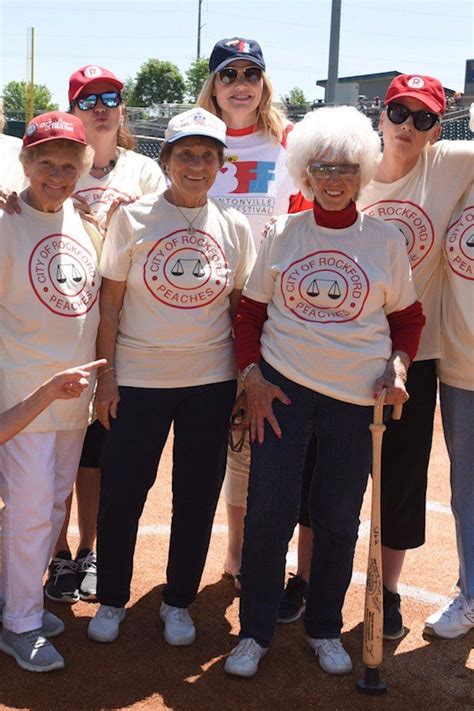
[199,31]
[333,67]
[30,93]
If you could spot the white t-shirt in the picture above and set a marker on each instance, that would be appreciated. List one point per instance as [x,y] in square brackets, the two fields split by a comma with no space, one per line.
[329,292]
[456,366]
[49,312]
[420,205]
[133,174]
[12,176]
[254,179]
[175,324]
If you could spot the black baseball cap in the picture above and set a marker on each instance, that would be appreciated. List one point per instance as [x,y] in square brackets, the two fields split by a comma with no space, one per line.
[228,50]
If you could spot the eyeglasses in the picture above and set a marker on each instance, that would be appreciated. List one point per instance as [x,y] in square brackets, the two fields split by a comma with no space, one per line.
[228,75]
[110,99]
[343,170]
[422,120]
[236,437]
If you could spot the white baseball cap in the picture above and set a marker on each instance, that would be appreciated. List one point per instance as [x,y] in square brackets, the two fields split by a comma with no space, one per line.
[196,122]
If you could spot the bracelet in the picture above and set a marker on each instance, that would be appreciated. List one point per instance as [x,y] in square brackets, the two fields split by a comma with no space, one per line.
[107,370]
[246,371]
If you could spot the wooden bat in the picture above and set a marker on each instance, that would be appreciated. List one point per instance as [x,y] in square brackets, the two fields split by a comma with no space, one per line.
[372,650]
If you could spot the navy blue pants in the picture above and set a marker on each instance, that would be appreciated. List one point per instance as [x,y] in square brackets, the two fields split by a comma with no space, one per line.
[200,416]
[340,478]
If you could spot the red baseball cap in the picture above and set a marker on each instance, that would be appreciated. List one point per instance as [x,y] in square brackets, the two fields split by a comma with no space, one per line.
[428,90]
[54,125]
[87,75]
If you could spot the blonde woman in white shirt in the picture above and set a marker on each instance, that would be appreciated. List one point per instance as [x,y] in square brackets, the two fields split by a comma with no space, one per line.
[174,266]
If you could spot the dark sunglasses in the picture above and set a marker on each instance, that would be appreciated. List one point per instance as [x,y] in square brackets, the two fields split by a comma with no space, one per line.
[422,120]
[236,437]
[110,99]
[228,75]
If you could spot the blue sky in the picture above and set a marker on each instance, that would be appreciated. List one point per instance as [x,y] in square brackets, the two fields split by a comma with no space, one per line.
[376,36]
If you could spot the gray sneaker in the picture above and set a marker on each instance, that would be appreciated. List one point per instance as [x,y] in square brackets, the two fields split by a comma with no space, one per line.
[31,651]
[86,576]
[105,626]
[51,627]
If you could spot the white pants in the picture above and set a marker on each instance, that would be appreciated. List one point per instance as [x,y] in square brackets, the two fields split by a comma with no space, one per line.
[37,473]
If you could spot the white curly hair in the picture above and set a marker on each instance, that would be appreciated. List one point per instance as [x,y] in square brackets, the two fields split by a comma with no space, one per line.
[338,133]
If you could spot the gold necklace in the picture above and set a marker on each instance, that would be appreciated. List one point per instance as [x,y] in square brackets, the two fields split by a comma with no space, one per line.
[191,230]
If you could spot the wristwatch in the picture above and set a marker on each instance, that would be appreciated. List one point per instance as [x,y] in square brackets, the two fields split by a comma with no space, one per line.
[246,371]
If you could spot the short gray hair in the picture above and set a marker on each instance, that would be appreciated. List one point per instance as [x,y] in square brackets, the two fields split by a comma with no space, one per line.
[339,133]
[85,153]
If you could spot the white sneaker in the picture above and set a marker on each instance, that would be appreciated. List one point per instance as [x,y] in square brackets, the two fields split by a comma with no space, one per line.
[179,627]
[333,658]
[453,620]
[104,627]
[245,658]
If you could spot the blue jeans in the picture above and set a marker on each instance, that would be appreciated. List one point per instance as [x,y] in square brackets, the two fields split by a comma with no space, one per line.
[339,481]
[457,408]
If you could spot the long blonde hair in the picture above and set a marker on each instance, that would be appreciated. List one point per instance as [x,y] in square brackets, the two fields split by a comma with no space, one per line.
[269,119]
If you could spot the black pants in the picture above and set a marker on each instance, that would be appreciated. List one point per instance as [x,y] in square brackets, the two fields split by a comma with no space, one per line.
[131,456]
[405,458]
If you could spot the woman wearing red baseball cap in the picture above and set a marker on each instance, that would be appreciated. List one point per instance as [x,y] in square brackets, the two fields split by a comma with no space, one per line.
[118,172]
[49,315]
[254,180]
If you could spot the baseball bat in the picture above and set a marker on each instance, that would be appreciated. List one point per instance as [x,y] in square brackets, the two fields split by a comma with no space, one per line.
[372,650]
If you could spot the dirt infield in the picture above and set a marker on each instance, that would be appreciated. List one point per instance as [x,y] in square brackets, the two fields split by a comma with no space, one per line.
[141,671]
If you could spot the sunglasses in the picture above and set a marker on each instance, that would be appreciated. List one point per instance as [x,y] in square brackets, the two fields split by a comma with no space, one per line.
[422,120]
[110,99]
[228,75]
[236,437]
[325,170]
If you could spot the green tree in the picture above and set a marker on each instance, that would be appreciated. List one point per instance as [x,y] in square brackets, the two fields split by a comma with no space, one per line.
[128,91]
[14,97]
[158,82]
[196,75]
[296,99]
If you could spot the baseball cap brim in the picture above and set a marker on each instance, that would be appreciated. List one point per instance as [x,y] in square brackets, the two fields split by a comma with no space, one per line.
[425,99]
[55,138]
[96,80]
[236,58]
[203,133]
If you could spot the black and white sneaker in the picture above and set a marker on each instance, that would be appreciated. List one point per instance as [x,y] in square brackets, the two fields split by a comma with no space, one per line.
[86,563]
[392,616]
[61,585]
[293,603]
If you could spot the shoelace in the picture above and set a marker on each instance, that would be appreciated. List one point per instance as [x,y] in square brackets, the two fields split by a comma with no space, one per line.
[246,648]
[179,615]
[332,646]
[62,566]
[456,604]
[108,612]
[87,564]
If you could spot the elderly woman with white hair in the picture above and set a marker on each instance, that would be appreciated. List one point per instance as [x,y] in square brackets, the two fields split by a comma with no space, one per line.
[328,318]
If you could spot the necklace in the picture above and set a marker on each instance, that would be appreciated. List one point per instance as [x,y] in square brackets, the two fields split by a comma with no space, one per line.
[191,230]
[106,169]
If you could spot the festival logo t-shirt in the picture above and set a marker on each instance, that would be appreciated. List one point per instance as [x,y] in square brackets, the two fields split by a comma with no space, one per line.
[456,366]
[254,179]
[420,205]
[175,324]
[329,293]
[49,312]
[12,176]
[132,175]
